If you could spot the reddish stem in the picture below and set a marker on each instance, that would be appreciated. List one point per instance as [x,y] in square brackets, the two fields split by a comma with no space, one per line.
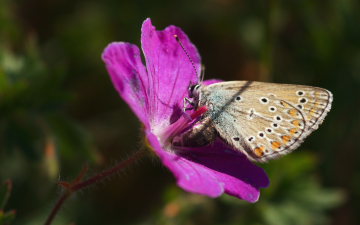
[57,207]
[77,184]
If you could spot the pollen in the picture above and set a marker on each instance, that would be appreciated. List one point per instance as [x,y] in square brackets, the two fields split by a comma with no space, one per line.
[259,151]
[286,138]
[293,112]
[275,144]
[296,123]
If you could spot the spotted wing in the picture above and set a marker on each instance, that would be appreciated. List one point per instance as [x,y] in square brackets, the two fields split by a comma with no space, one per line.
[265,120]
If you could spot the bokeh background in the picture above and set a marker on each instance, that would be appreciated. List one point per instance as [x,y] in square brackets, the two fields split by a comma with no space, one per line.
[59,110]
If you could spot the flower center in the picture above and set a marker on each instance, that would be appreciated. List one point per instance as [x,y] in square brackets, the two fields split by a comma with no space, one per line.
[184,122]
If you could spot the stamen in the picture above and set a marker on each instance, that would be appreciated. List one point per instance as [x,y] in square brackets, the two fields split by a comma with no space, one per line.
[180,125]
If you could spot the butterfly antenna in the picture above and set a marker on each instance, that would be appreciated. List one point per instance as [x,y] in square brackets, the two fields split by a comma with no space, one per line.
[186,53]
[202,73]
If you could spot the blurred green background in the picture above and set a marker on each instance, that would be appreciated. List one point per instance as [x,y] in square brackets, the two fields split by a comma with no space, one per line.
[59,110]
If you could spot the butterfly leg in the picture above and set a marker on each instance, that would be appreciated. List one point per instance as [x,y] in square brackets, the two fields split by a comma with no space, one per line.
[188,102]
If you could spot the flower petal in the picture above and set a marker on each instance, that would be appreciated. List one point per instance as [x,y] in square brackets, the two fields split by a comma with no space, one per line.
[214,170]
[170,71]
[212,81]
[128,74]
[240,177]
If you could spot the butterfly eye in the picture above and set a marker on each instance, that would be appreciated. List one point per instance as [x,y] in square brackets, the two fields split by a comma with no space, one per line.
[192,89]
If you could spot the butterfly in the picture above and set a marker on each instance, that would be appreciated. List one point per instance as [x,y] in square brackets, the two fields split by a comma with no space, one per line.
[261,120]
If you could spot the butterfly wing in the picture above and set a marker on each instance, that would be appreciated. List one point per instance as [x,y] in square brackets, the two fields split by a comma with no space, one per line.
[265,120]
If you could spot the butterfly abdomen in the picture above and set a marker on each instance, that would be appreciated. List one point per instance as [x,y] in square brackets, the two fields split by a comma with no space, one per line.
[201,134]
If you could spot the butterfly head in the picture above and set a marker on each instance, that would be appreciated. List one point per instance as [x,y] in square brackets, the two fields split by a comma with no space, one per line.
[194,95]
[194,90]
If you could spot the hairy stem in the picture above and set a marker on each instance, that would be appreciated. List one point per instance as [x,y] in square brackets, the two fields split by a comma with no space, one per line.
[78,184]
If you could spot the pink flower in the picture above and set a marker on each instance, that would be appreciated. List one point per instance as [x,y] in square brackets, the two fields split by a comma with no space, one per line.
[155,93]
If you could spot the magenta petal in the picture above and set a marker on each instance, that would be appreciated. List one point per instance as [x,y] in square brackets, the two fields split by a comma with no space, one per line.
[170,70]
[190,176]
[241,178]
[128,74]
[214,170]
